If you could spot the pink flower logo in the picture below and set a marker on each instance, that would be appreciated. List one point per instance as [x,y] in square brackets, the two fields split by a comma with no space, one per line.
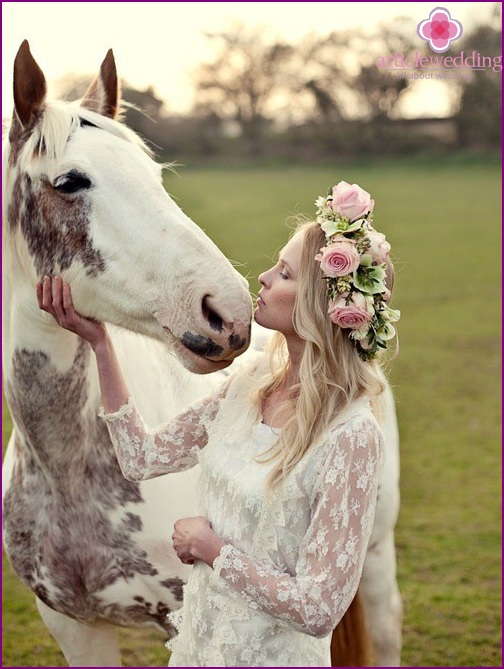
[439,29]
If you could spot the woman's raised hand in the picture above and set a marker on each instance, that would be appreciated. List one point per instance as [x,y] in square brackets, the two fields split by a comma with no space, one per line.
[55,297]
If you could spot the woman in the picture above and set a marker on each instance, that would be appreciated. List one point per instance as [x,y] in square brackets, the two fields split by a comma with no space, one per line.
[289,447]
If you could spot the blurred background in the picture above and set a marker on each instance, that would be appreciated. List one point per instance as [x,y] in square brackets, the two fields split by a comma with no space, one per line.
[226,82]
[263,106]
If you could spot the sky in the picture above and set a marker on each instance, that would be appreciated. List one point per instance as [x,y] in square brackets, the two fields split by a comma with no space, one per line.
[159,44]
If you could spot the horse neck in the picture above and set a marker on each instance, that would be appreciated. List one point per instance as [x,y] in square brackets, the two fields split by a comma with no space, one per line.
[49,375]
[25,326]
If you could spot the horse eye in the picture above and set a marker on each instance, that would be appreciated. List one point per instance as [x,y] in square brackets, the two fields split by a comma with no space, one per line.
[72,182]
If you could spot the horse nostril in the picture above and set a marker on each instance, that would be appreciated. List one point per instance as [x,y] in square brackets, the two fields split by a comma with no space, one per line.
[211,316]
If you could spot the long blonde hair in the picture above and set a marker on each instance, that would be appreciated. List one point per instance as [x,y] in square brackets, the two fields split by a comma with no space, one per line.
[331,373]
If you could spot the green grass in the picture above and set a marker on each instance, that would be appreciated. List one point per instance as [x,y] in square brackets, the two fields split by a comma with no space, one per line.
[444,225]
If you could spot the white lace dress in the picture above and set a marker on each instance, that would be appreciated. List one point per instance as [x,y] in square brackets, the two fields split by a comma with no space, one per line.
[292,563]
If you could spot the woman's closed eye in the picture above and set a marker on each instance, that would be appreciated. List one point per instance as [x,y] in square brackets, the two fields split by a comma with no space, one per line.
[283,270]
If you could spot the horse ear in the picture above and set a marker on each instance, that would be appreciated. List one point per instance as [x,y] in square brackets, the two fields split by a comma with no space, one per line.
[29,87]
[103,94]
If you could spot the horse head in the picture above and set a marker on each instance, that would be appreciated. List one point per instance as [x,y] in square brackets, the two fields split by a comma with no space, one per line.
[83,198]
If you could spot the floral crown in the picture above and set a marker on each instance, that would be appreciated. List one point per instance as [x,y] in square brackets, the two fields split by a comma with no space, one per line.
[354,265]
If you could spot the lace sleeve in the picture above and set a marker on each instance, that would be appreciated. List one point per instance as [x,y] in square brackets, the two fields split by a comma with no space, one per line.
[332,552]
[145,453]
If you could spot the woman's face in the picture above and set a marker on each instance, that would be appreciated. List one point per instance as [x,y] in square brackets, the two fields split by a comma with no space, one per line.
[275,303]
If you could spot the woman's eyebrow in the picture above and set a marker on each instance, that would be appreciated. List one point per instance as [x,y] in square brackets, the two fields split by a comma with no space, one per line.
[285,264]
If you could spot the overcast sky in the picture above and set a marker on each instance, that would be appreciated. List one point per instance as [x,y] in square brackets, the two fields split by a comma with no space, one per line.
[160,43]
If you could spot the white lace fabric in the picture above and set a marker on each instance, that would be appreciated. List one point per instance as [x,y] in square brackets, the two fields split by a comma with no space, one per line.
[292,563]
[145,453]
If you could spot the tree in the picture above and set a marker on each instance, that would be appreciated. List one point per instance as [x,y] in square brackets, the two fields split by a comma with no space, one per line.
[479,115]
[340,72]
[240,84]
[379,91]
[320,75]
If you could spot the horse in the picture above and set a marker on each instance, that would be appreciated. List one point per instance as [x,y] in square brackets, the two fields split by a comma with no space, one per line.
[83,198]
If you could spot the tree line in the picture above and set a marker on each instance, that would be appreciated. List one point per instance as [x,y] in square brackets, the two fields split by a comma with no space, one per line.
[321,97]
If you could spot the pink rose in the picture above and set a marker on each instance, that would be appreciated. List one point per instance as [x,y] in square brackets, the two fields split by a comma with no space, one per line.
[380,248]
[339,259]
[351,201]
[354,315]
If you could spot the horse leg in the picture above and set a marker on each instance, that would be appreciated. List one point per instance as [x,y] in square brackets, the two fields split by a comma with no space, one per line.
[382,602]
[83,645]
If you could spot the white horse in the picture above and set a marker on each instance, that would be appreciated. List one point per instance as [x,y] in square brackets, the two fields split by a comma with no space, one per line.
[82,198]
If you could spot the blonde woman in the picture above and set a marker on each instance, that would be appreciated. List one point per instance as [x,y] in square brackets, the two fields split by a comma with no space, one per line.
[290,449]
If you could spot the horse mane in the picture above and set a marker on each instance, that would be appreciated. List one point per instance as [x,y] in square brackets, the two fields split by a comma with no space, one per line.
[50,135]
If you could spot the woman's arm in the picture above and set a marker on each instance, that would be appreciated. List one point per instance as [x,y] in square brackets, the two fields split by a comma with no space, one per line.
[55,297]
[332,552]
[145,453]
[142,453]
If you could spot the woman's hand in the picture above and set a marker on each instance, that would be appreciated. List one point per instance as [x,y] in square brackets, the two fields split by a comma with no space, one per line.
[193,539]
[55,297]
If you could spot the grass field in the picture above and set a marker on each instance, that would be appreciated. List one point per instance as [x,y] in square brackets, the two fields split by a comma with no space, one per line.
[444,225]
